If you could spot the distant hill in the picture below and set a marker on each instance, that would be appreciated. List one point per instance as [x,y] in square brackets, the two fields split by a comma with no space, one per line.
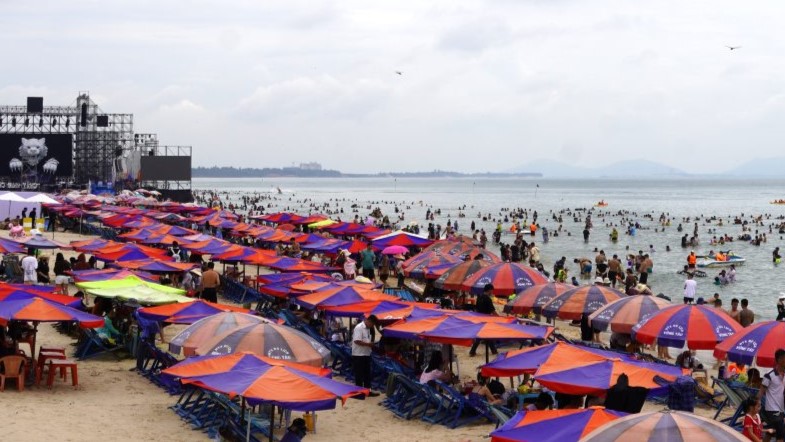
[630,168]
[760,167]
[271,172]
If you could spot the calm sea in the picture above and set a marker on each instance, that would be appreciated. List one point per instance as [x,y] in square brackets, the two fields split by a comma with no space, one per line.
[758,280]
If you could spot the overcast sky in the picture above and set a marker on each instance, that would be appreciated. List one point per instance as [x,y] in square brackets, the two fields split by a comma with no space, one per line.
[486,85]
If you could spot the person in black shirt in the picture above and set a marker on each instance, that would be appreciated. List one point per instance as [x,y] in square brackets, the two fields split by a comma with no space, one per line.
[484,305]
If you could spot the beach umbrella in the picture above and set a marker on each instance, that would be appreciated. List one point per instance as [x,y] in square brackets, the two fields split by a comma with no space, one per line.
[164,239]
[40,242]
[138,234]
[395,250]
[554,425]
[154,265]
[533,298]
[622,314]
[463,246]
[188,312]
[207,247]
[8,246]
[507,278]
[417,267]
[384,310]
[753,344]
[434,272]
[262,380]
[580,301]
[204,329]
[342,295]
[573,369]
[14,293]
[37,309]
[92,245]
[323,223]
[299,265]
[136,288]
[130,252]
[415,326]
[699,326]
[400,238]
[458,331]
[666,425]
[453,277]
[271,340]
[173,230]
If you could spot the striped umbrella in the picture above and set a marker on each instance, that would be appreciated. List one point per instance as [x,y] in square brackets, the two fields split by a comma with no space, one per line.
[507,278]
[533,298]
[413,327]
[624,313]
[417,266]
[188,312]
[200,331]
[261,380]
[756,343]
[580,301]
[270,340]
[666,425]
[342,295]
[459,331]
[8,246]
[14,293]
[37,309]
[554,425]
[384,310]
[454,277]
[463,247]
[400,238]
[572,369]
[699,326]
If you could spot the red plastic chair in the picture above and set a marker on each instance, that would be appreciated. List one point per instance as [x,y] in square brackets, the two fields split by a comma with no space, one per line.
[13,367]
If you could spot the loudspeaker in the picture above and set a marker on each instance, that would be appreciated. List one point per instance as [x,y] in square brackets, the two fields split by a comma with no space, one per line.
[83,121]
[35,105]
[102,120]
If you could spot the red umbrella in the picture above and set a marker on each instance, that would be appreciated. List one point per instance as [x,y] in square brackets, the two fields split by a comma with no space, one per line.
[624,313]
[535,297]
[454,277]
[507,278]
[699,326]
[756,343]
[578,301]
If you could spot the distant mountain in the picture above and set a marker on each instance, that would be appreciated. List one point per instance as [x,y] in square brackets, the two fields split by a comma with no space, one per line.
[630,168]
[760,167]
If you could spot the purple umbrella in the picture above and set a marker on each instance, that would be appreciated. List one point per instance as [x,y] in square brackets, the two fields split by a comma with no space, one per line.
[39,242]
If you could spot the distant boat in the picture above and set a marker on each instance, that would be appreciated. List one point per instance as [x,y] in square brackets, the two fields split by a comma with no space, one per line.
[710,262]
[601,203]
[280,192]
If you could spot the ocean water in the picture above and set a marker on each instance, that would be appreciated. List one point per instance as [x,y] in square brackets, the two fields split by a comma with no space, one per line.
[759,280]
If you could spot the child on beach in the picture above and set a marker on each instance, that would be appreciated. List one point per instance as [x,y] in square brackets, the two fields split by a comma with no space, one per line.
[753,427]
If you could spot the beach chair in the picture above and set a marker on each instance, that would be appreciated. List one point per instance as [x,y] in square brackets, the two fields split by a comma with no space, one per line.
[501,414]
[411,399]
[458,410]
[735,394]
[92,345]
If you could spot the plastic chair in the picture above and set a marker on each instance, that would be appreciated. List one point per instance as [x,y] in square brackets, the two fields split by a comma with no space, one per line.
[13,367]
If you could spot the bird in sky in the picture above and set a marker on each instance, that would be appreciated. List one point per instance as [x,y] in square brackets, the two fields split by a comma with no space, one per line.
[399,72]
[733,48]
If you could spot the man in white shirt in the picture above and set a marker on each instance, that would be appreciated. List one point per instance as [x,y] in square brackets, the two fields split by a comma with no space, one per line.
[362,347]
[690,287]
[30,268]
[773,390]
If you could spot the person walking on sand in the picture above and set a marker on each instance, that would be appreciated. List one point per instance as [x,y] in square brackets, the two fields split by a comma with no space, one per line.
[362,348]
[690,288]
[773,390]
[368,262]
[30,268]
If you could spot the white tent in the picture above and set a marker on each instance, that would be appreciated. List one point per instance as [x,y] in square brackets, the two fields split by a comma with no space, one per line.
[41,198]
[11,196]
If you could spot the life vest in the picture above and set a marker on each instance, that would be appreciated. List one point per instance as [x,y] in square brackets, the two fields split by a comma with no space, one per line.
[692,259]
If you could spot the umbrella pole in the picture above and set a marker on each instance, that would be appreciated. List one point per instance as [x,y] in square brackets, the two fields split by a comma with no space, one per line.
[487,356]
[272,422]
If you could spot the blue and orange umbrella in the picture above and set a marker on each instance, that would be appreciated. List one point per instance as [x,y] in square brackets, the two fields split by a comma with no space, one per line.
[8,246]
[262,380]
[572,369]
[108,273]
[14,293]
[454,276]
[384,310]
[507,278]
[342,295]
[200,331]
[699,326]
[534,298]
[554,425]
[208,247]
[756,343]
[580,301]
[270,340]
[460,331]
[130,252]
[414,327]
[419,265]
[91,245]
[623,314]
[37,310]
[399,238]
[157,266]
[41,242]
[187,313]
[463,247]
[299,265]
[671,426]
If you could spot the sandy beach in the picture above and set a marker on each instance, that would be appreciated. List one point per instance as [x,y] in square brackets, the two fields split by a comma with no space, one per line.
[115,403]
